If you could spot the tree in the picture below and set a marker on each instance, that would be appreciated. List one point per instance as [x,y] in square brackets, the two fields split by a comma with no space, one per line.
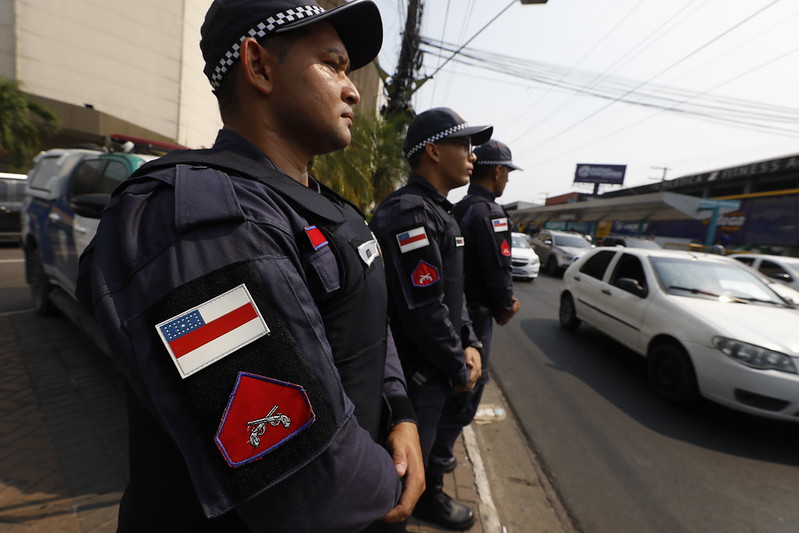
[372,166]
[19,135]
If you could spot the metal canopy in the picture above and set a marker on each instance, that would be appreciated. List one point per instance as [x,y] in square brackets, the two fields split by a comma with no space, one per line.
[643,207]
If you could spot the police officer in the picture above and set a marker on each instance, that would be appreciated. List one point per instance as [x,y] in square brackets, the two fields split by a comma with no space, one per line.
[243,299]
[423,248]
[489,285]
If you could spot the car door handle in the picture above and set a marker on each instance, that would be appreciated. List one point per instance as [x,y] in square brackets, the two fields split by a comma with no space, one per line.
[606,291]
[576,278]
[54,217]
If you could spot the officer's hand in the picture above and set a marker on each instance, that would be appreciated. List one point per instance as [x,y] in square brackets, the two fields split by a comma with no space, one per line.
[475,365]
[504,317]
[403,444]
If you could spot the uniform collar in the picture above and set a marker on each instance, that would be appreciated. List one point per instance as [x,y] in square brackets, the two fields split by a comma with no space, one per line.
[230,141]
[308,197]
[479,190]
[419,182]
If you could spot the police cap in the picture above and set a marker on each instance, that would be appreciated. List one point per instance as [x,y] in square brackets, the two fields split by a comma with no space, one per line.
[494,152]
[438,124]
[229,22]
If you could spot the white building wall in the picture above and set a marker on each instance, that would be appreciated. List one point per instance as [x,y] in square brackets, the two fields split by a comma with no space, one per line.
[7,39]
[121,57]
[198,114]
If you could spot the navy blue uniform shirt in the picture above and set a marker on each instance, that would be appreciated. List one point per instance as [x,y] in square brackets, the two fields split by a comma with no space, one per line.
[487,255]
[248,316]
[423,250]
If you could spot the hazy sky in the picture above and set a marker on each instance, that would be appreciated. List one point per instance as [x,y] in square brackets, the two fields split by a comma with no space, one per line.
[728,69]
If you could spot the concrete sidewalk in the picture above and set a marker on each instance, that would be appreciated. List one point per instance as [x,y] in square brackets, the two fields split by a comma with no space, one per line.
[63,444]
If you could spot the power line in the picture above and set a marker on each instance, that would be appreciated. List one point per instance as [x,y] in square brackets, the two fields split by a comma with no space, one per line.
[487,24]
[618,89]
[681,60]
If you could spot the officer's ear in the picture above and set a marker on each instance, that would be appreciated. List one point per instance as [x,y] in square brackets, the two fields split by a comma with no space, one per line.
[256,64]
[432,151]
[496,173]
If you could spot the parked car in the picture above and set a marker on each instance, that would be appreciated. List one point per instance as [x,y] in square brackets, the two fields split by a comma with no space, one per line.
[523,259]
[777,267]
[706,324]
[558,249]
[629,242]
[65,194]
[12,191]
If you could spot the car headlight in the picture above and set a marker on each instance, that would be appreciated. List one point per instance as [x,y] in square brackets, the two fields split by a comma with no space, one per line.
[755,356]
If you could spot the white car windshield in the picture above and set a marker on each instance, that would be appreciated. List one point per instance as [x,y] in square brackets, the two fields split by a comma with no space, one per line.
[571,241]
[712,280]
[519,242]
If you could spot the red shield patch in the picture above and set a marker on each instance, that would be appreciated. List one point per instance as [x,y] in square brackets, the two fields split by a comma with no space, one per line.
[262,414]
[424,274]
[505,248]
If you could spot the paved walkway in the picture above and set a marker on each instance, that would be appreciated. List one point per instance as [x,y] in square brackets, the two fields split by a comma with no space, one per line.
[63,442]
[63,433]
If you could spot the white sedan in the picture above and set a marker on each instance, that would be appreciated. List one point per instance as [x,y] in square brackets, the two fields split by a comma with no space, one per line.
[523,259]
[706,324]
[780,268]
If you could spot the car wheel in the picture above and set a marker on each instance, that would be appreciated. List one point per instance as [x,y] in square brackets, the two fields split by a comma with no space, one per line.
[567,313]
[671,374]
[40,287]
[552,266]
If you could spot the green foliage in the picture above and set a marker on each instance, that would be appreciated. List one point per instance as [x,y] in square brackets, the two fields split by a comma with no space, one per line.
[19,136]
[372,166]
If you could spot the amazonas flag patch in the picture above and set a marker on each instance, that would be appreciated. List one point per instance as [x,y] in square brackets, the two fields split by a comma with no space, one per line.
[412,239]
[500,224]
[211,331]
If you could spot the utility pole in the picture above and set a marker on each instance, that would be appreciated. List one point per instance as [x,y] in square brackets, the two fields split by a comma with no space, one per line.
[663,178]
[400,86]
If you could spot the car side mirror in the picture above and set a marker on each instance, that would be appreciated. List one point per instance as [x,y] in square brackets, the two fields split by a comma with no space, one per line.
[90,205]
[632,286]
[782,276]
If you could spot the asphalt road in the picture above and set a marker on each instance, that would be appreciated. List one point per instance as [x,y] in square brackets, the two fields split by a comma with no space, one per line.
[622,460]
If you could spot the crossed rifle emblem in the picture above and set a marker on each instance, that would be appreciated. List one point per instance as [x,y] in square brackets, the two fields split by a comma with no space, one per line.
[258,427]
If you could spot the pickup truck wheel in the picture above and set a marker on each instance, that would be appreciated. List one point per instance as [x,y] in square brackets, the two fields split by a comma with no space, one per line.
[40,287]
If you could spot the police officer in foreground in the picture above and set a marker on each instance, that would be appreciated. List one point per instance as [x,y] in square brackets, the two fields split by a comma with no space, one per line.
[244,300]
[423,248]
[489,284]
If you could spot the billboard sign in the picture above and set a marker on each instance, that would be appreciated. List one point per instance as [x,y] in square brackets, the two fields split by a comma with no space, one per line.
[600,174]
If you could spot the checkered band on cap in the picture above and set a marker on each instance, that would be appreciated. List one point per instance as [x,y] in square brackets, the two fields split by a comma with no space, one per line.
[437,137]
[262,29]
[494,162]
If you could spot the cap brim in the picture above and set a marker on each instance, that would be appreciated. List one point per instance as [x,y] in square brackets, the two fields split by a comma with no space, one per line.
[513,167]
[359,26]
[478,134]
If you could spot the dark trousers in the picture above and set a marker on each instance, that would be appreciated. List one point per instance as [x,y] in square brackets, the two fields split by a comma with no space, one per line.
[460,407]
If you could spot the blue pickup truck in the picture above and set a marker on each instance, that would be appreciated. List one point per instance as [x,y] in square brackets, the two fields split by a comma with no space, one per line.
[65,194]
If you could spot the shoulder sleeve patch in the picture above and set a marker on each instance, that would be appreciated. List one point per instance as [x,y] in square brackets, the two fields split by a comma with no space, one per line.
[412,239]
[212,330]
[424,274]
[499,224]
[262,414]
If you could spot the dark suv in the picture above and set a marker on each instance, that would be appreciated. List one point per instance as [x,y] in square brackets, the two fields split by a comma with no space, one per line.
[66,192]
